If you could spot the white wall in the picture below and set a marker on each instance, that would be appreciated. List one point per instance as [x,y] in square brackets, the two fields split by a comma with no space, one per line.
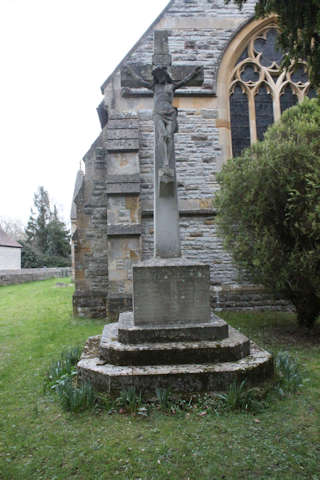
[10,258]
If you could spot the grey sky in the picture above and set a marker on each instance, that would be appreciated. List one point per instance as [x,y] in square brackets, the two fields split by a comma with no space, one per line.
[55,55]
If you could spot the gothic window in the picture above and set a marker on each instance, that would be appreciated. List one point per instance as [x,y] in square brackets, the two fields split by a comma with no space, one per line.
[239,120]
[260,92]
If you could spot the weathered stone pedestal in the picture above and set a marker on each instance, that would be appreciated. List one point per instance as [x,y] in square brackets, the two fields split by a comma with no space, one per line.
[171,339]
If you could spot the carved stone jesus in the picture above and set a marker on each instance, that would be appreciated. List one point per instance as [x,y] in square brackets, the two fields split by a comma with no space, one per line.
[164,116]
[166,212]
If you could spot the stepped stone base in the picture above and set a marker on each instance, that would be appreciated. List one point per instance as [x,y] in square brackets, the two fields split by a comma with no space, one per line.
[232,348]
[188,378]
[255,367]
[171,339]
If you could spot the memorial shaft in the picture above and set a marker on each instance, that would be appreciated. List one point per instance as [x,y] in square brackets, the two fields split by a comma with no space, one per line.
[166,213]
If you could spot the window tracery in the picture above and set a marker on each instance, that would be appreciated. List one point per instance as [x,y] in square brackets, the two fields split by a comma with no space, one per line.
[260,91]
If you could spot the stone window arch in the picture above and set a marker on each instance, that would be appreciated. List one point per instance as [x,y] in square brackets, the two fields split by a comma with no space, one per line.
[256,91]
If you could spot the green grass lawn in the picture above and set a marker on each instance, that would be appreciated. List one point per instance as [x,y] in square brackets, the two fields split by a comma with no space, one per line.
[38,440]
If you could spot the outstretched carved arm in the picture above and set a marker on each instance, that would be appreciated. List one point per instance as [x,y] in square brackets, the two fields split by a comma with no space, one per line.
[187,78]
[139,78]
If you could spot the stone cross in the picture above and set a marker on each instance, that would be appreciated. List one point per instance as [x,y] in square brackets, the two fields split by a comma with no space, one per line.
[166,213]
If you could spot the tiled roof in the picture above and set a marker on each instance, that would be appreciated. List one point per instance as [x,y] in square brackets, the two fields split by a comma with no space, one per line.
[7,241]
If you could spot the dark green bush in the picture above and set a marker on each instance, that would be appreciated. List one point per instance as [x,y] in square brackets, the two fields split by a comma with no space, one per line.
[29,258]
[269,209]
[33,259]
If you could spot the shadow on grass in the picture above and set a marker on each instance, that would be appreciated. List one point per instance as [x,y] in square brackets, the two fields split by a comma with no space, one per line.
[271,328]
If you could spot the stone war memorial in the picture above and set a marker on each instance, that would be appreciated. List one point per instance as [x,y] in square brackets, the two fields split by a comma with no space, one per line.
[224,81]
[170,339]
[201,84]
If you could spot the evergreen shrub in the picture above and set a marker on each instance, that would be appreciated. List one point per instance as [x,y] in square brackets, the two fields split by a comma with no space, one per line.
[269,209]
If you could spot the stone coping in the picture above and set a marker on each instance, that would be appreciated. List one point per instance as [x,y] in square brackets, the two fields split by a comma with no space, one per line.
[14,277]
[169,262]
[22,271]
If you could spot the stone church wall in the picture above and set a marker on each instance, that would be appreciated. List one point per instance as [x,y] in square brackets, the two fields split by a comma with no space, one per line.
[114,205]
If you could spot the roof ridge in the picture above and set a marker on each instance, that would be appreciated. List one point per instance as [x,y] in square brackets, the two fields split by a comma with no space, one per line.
[8,241]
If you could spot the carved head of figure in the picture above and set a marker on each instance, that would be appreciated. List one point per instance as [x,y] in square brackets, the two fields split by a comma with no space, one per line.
[161,75]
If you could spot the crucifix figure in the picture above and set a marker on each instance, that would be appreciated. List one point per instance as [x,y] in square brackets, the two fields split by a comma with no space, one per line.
[166,214]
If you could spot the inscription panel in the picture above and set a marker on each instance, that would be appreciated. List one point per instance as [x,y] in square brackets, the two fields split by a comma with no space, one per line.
[171,295]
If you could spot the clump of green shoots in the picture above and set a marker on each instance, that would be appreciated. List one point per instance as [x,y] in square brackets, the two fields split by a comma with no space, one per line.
[130,400]
[62,379]
[240,397]
[289,378]
[164,398]
[64,366]
[75,396]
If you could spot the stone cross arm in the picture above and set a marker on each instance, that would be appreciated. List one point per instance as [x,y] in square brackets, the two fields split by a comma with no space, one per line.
[178,73]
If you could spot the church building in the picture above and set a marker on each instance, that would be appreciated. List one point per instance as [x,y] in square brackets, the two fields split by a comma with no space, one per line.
[241,91]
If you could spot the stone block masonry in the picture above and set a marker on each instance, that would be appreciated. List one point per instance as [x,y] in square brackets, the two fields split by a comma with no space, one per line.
[90,237]
[123,204]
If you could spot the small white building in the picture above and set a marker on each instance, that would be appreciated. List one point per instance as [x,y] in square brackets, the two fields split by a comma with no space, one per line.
[10,252]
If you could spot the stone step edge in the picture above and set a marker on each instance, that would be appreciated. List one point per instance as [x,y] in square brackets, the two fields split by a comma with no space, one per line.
[125,323]
[230,349]
[255,368]
[109,340]
[257,357]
